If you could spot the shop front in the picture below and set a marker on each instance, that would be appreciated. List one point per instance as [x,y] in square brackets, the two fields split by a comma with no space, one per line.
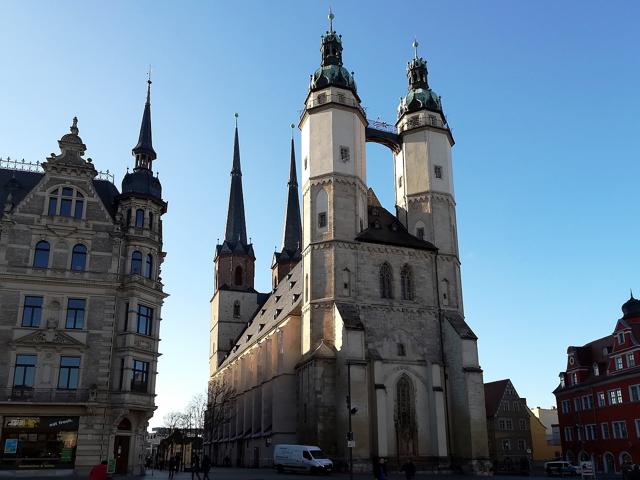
[38,442]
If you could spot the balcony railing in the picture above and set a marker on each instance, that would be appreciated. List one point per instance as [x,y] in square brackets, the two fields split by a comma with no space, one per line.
[423,121]
[324,98]
[24,166]
[45,395]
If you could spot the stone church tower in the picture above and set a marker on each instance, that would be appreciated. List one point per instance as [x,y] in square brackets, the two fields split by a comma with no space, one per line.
[368,331]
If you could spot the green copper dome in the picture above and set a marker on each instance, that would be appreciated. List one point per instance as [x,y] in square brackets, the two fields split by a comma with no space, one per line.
[332,75]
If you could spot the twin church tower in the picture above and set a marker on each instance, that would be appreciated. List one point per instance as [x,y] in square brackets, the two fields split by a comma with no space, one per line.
[364,326]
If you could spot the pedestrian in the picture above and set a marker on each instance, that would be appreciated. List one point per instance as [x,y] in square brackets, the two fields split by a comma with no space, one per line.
[99,472]
[409,470]
[195,466]
[172,466]
[206,466]
[382,469]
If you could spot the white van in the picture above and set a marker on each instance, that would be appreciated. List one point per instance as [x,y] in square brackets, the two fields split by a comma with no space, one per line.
[302,458]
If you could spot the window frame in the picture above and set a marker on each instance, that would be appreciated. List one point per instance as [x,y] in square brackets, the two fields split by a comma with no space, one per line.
[27,367]
[604,430]
[148,266]
[72,373]
[620,433]
[144,320]
[34,311]
[139,218]
[74,202]
[135,266]
[437,171]
[634,393]
[77,311]
[141,368]
[38,253]
[79,254]
[386,280]
[615,396]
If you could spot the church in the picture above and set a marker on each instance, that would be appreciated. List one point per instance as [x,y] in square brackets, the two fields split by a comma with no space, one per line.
[361,347]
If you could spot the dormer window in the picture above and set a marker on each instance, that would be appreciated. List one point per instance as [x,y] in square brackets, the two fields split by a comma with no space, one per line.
[596,369]
[66,202]
[620,337]
[574,378]
[562,381]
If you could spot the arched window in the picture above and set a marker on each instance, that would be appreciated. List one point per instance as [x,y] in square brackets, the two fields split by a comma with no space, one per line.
[444,292]
[151,221]
[79,258]
[346,282]
[148,266]
[238,276]
[322,206]
[420,230]
[136,262]
[139,218]
[41,255]
[404,404]
[406,282]
[236,309]
[386,281]
[66,202]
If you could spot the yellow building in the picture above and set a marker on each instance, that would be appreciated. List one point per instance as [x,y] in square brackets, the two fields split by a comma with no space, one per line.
[541,449]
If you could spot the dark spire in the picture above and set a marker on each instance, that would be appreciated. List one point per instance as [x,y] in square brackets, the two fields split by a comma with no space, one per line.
[144,151]
[236,227]
[331,47]
[292,238]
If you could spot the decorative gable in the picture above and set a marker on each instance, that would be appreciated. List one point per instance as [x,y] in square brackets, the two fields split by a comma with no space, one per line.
[48,338]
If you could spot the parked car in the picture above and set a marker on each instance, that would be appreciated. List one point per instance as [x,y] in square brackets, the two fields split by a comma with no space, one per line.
[301,458]
[561,469]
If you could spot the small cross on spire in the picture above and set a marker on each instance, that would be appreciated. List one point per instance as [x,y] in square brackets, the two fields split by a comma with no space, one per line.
[331,17]
[236,115]
[415,48]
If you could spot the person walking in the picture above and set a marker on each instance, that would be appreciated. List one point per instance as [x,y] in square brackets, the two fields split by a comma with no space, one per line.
[409,470]
[172,466]
[382,469]
[195,466]
[206,467]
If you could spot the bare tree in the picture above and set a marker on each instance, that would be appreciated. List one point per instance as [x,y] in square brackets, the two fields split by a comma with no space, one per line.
[220,395]
[195,410]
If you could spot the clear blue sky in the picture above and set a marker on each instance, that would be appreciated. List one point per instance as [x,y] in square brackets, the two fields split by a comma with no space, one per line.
[542,98]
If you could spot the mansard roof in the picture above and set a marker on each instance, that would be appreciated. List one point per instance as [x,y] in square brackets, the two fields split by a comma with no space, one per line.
[386,229]
[19,183]
[285,300]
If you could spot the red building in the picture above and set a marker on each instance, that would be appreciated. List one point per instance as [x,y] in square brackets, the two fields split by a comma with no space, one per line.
[599,397]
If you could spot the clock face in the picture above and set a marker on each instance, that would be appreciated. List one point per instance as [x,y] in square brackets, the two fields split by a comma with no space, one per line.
[571,360]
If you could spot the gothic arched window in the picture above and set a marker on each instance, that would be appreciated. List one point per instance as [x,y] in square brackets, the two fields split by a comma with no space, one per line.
[346,282]
[386,281]
[136,262]
[236,309]
[148,266]
[79,258]
[139,218]
[238,276]
[41,256]
[406,282]
[404,403]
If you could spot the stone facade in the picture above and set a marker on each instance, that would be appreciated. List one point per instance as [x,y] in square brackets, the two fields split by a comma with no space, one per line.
[368,328]
[81,297]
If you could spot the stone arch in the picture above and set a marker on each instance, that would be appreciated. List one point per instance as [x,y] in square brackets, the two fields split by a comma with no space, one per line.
[405,420]
[608,462]
[624,457]
[322,210]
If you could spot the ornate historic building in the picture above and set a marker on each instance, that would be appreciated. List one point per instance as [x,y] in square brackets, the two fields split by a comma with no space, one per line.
[364,325]
[81,294]
[599,397]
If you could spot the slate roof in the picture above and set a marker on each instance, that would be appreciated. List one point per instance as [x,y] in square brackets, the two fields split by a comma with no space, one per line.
[145,143]
[236,227]
[292,237]
[460,325]
[493,393]
[386,229]
[283,301]
[20,183]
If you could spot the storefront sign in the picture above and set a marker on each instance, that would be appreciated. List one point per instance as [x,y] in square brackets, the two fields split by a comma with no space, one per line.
[42,423]
[11,445]
[22,422]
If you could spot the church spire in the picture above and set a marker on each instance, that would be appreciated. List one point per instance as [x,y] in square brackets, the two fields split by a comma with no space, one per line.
[236,226]
[292,238]
[143,151]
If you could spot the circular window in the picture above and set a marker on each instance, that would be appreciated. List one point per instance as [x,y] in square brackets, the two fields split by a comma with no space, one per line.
[571,360]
